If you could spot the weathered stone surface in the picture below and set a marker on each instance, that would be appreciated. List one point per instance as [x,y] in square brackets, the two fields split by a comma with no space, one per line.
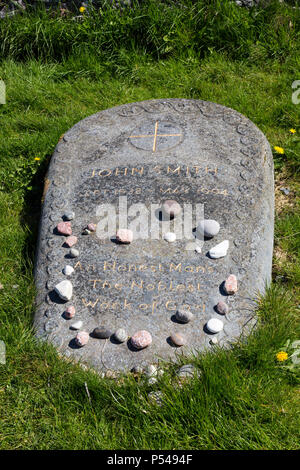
[191,151]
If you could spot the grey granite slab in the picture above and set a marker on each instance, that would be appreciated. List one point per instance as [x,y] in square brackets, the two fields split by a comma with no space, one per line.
[195,152]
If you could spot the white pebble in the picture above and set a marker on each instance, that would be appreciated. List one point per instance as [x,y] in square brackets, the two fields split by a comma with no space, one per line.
[64,289]
[170,237]
[214,325]
[77,325]
[68,270]
[220,250]
[208,228]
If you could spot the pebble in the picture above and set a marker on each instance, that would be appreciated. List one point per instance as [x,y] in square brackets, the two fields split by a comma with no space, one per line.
[71,240]
[286,191]
[64,228]
[214,340]
[187,371]
[64,289]
[141,339]
[198,248]
[69,215]
[70,312]
[222,308]
[214,325]
[178,339]
[184,316]
[137,370]
[170,237]
[102,333]
[124,235]
[120,335]
[155,397]
[208,228]
[77,325]
[231,286]
[91,227]
[171,208]
[68,270]
[86,231]
[150,370]
[220,250]
[73,253]
[111,374]
[152,380]
[82,338]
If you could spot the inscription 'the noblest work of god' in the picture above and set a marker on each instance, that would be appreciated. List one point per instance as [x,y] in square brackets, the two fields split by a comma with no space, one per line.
[115,170]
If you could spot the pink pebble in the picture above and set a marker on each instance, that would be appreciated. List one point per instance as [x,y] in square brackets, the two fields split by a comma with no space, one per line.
[231,284]
[222,308]
[70,241]
[64,228]
[141,339]
[91,227]
[70,312]
[124,235]
[82,338]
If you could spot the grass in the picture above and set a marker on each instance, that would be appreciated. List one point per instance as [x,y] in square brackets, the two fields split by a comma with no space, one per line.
[58,71]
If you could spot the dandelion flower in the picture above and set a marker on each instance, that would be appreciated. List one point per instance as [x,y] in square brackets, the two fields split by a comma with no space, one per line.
[37,159]
[281,356]
[293,131]
[82,9]
[279,149]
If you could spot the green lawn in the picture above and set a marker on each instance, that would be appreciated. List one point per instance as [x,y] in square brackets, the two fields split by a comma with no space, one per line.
[58,71]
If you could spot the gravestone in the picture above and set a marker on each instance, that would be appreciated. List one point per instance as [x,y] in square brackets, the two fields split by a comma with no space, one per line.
[195,152]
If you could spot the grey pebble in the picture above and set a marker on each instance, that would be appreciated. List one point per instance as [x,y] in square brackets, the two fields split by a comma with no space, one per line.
[184,316]
[222,308]
[69,215]
[187,371]
[120,335]
[74,253]
[102,332]
[178,339]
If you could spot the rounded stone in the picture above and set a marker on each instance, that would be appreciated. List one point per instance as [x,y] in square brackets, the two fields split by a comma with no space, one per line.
[69,215]
[64,228]
[70,312]
[214,340]
[141,339]
[91,227]
[68,270]
[214,325]
[64,289]
[82,338]
[231,285]
[150,370]
[184,316]
[71,240]
[77,325]
[73,253]
[208,228]
[120,335]
[187,371]
[102,332]
[171,208]
[156,398]
[170,237]
[222,308]
[178,339]
[220,250]
[137,370]
[124,236]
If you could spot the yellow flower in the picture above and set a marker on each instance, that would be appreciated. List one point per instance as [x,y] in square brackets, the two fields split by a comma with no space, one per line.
[279,149]
[37,159]
[293,131]
[82,9]
[282,356]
